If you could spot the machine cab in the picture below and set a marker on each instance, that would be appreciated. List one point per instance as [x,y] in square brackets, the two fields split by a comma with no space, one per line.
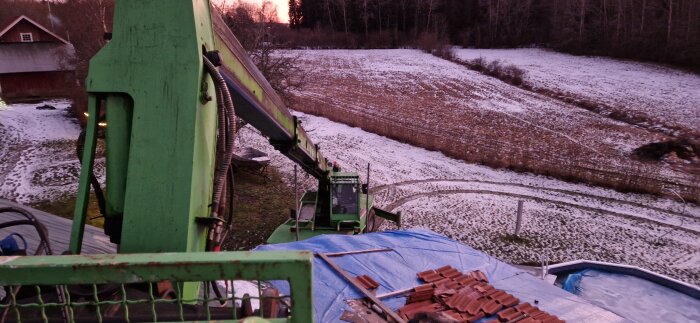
[345,199]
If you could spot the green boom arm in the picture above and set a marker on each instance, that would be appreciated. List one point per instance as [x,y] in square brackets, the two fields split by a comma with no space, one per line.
[258,104]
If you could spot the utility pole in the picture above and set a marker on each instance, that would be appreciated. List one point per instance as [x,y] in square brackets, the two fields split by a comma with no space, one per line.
[519,219]
[296,203]
[367,205]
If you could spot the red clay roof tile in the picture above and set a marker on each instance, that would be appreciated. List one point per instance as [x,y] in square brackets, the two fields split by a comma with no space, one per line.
[424,273]
[523,307]
[451,273]
[475,305]
[443,292]
[452,284]
[442,281]
[484,288]
[476,317]
[372,281]
[507,314]
[367,282]
[494,293]
[421,307]
[444,268]
[431,277]
[423,287]
[491,307]
[552,319]
[479,276]
[453,315]
[528,320]
[509,300]
[419,296]
[465,279]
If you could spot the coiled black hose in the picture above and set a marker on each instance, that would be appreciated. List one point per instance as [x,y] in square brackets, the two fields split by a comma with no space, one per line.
[44,243]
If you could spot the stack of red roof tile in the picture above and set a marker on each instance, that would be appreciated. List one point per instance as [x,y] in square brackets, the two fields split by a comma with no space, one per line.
[467,298]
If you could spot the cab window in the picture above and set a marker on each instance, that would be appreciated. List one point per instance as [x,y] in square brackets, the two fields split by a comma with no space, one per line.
[344,198]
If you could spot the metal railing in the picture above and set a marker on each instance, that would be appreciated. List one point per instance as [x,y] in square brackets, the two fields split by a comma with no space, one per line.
[156,287]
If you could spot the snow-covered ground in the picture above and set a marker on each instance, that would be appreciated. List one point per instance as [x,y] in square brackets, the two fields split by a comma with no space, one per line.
[433,103]
[477,205]
[37,152]
[669,95]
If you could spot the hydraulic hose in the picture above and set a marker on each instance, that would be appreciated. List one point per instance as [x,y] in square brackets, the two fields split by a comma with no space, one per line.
[224,154]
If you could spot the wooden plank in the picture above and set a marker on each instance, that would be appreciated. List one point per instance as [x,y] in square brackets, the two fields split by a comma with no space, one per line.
[344,253]
[94,241]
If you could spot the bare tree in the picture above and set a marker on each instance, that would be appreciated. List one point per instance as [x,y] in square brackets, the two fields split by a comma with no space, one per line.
[344,7]
[670,22]
[330,13]
[582,17]
[252,25]
[430,12]
[365,17]
[644,9]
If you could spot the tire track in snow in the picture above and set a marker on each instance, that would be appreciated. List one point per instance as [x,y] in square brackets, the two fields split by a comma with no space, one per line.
[416,196]
[380,188]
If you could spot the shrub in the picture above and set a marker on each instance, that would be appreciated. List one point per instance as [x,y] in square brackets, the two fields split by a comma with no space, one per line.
[658,150]
[432,43]
[505,72]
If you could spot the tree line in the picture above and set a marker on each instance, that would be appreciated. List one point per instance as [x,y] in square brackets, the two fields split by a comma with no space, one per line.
[656,30]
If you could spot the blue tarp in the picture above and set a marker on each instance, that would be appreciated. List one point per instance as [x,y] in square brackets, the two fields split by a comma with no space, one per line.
[632,297]
[419,250]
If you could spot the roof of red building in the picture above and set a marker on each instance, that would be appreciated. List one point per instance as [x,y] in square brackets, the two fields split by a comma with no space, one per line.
[8,27]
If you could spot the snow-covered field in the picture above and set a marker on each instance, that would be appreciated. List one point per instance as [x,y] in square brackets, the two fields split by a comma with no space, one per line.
[476,205]
[37,152]
[430,102]
[668,95]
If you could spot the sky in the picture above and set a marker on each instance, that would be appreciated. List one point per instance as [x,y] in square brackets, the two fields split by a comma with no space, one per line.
[282,7]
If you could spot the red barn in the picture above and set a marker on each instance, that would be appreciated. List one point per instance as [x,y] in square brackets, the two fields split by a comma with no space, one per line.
[35,63]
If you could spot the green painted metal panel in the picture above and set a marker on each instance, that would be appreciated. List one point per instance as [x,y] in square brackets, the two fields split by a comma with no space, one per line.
[118,135]
[155,60]
[161,155]
[294,267]
[154,267]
